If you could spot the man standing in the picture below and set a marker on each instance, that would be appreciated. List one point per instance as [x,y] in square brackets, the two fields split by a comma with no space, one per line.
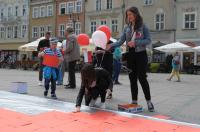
[71,55]
[41,46]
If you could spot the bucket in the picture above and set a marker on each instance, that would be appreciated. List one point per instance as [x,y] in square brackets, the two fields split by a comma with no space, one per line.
[19,87]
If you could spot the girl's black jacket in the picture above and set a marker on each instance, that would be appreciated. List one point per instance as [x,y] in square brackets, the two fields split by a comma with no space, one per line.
[103,82]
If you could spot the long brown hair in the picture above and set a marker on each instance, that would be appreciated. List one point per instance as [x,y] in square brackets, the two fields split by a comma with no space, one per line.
[138,21]
[88,75]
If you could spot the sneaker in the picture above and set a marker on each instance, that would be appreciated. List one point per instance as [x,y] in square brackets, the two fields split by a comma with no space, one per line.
[45,93]
[67,85]
[168,79]
[53,96]
[150,106]
[70,87]
[40,83]
[109,96]
[134,102]
[117,83]
[59,83]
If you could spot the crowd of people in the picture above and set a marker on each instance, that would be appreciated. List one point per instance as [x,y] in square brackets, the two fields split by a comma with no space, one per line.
[97,79]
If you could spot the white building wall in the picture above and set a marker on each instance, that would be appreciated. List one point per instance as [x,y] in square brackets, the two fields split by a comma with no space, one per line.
[13,20]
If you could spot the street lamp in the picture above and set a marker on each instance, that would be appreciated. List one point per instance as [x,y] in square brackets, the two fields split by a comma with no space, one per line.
[74,17]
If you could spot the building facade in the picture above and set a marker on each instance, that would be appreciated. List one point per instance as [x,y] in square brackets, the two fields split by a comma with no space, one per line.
[14,21]
[42,18]
[69,13]
[104,12]
[188,28]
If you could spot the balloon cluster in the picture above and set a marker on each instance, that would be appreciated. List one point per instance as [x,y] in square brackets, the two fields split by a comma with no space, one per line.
[100,37]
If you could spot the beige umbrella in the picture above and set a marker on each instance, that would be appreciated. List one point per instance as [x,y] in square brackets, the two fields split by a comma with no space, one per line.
[197,48]
[32,46]
[174,47]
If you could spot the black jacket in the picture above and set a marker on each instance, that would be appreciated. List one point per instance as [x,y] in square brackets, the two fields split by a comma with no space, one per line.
[105,61]
[103,82]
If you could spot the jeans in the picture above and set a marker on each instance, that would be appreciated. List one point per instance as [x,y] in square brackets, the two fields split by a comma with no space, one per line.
[71,73]
[117,68]
[53,85]
[137,62]
[41,66]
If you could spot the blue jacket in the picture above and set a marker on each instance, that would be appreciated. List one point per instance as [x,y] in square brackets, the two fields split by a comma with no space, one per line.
[117,53]
[142,38]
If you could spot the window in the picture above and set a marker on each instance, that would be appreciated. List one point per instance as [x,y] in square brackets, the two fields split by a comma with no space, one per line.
[190,20]
[24,10]
[42,31]
[78,28]
[15,31]
[114,25]
[93,26]
[98,5]
[9,32]
[109,4]
[148,2]
[2,13]
[62,30]
[103,22]
[78,6]
[70,7]
[49,28]
[2,32]
[35,12]
[159,21]
[35,32]
[62,8]
[9,11]
[42,11]
[50,10]
[16,10]
[24,30]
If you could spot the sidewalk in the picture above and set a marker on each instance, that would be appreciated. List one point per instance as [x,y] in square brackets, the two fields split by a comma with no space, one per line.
[177,101]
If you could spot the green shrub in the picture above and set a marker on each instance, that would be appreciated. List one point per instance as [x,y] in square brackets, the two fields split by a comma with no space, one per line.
[154,67]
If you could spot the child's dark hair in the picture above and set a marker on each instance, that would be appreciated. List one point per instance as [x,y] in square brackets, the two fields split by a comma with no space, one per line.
[88,75]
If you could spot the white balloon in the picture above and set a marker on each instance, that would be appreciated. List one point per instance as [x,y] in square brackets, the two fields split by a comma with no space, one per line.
[99,38]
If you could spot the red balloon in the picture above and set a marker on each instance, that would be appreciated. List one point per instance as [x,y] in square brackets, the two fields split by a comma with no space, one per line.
[83,39]
[106,30]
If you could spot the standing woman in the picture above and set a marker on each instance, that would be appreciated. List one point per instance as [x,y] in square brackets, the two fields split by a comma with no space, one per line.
[137,37]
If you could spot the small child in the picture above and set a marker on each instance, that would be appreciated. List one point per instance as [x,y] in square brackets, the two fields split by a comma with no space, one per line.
[94,82]
[51,60]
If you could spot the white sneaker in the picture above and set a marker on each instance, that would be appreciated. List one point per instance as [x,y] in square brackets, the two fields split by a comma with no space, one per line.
[40,83]
[102,105]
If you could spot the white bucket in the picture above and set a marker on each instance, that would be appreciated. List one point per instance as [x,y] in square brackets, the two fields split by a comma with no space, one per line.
[19,87]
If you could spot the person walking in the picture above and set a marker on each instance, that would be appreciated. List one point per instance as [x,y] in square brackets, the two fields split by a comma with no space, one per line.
[71,55]
[137,37]
[51,60]
[175,67]
[95,82]
[44,43]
